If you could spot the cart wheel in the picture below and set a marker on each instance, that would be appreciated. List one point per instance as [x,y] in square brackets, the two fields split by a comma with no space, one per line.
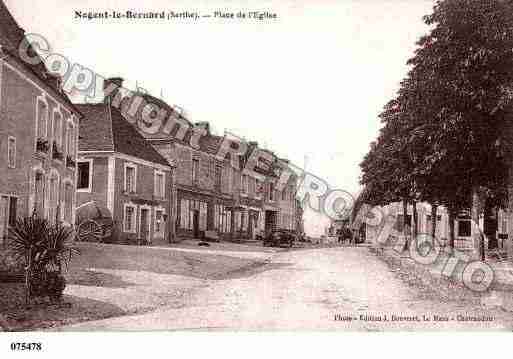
[90,231]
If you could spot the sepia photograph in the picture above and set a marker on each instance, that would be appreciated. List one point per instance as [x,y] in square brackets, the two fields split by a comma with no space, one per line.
[254,166]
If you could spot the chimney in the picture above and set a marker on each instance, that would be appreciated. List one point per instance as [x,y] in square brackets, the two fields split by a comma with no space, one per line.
[111,87]
[203,124]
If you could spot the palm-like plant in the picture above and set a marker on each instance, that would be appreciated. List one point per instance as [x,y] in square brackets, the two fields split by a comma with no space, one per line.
[28,237]
[59,247]
[42,248]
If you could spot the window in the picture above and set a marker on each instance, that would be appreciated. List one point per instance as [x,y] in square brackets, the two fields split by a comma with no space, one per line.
[187,209]
[222,219]
[68,203]
[70,141]
[42,118]
[159,184]
[57,129]
[129,219]
[39,195]
[13,206]
[251,189]
[245,184]
[53,210]
[284,194]
[84,175]
[211,168]
[203,216]
[244,220]
[258,189]
[234,179]
[464,229]
[271,191]
[195,170]
[130,178]
[184,213]
[218,177]
[11,152]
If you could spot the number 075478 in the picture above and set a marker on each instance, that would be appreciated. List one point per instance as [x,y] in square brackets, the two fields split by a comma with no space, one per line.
[26,346]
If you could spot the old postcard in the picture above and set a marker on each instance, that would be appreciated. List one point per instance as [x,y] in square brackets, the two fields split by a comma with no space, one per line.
[255,166]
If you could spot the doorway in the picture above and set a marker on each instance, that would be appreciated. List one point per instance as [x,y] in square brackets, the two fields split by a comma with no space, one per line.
[195,224]
[144,232]
[270,221]
[251,225]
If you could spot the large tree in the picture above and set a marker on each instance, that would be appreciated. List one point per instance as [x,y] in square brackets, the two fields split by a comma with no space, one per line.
[443,133]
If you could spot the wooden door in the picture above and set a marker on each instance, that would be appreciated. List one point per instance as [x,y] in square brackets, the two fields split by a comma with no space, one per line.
[143,228]
[195,224]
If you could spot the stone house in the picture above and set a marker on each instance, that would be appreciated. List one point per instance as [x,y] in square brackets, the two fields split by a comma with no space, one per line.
[209,193]
[120,171]
[204,186]
[38,136]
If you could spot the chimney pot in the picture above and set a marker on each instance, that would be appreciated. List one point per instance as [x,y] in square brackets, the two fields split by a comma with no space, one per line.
[117,81]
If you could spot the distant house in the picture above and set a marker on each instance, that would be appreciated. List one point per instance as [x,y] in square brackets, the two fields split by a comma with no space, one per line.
[38,136]
[119,170]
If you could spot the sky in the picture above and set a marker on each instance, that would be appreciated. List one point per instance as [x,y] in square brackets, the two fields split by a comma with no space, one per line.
[308,85]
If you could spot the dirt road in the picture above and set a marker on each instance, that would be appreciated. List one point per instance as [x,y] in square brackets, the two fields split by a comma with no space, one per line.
[313,289]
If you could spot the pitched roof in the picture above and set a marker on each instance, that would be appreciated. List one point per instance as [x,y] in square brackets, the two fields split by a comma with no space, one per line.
[11,37]
[105,129]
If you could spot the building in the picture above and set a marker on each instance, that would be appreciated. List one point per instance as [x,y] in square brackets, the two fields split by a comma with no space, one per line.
[120,171]
[462,224]
[38,136]
[211,194]
[300,222]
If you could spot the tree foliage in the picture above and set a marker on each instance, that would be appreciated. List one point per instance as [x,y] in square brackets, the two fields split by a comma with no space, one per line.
[443,133]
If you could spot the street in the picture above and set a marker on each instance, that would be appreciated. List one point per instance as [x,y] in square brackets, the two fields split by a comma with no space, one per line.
[342,288]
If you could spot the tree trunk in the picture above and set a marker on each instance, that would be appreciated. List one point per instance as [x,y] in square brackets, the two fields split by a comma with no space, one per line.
[451,227]
[477,237]
[415,221]
[490,223]
[509,213]
[434,210]
[405,224]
